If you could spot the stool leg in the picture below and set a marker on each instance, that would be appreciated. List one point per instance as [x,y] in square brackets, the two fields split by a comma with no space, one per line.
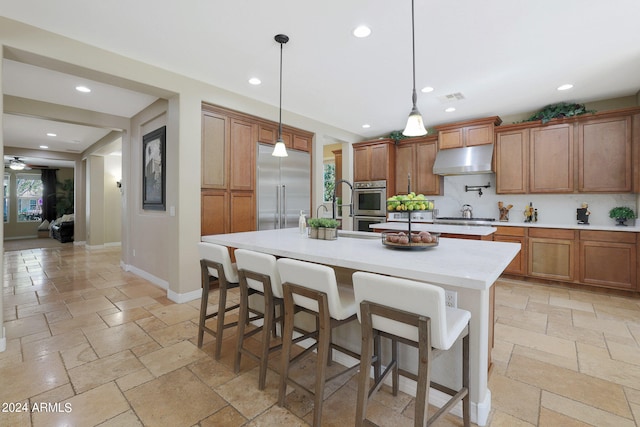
[424,372]
[222,304]
[266,338]
[204,301]
[466,402]
[287,337]
[365,361]
[324,351]
[244,310]
[395,373]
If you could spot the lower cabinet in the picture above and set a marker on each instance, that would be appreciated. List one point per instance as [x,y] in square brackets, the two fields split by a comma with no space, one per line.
[609,259]
[518,266]
[552,254]
[227,211]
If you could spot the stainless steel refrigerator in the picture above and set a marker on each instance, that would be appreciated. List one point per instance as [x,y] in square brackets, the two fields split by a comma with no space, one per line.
[284,188]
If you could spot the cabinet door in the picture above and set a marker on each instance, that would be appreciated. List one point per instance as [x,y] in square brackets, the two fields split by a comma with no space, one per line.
[604,155]
[405,161]
[518,265]
[552,258]
[243,146]
[450,138]
[242,211]
[214,207]
[301,142]
[551,161]
[427,182]
[512,162]
[612,265]
[479,135]
[267,133]
[361,163]
[379,162]
[215,154]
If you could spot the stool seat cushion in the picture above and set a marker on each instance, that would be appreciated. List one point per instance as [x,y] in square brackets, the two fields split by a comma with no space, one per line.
[419,298]
[219,254]
[320,278]
[263,264]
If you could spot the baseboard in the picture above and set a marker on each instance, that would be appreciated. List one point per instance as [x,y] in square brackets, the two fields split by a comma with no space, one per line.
[3,341]
[147,276]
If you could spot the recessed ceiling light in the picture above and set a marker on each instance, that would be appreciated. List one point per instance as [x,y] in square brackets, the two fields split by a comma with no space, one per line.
[51,134]
[426,89]
[565,86]
[83,89]
[362,31]
[44,147]
[366,126]
[254,81]
[450,110]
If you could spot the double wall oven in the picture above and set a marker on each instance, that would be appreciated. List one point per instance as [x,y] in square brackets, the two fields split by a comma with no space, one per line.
[369,204]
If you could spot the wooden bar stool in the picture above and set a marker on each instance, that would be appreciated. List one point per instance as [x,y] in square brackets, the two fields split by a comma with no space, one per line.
[258,274]
[313,288]
[416,314]
[216,270]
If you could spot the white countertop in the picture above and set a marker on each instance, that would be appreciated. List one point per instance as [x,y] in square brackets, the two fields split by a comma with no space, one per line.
[471,230]
[632,229]
[472,264]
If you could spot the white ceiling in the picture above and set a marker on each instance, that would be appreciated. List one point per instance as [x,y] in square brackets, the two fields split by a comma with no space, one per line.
[505,57]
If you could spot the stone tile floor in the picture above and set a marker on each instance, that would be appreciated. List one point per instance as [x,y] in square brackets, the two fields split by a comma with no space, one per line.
[99,346]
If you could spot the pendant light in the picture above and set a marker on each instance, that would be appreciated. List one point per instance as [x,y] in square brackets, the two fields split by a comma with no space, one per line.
[415,125]
[280,150]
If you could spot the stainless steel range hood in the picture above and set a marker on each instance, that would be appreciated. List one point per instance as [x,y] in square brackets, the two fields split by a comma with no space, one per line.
[464,161]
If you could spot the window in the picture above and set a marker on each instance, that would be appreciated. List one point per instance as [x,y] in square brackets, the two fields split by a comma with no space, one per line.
[329,180]
[29,196]
[7,180]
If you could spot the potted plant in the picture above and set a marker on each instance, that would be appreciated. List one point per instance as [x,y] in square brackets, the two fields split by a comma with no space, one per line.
[330,228]
[621,214]
[313,224]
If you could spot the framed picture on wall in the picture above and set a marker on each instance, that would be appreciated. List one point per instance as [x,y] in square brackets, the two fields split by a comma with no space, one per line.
[153,169]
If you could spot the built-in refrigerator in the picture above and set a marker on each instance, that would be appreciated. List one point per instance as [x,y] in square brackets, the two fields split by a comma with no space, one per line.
[284,188]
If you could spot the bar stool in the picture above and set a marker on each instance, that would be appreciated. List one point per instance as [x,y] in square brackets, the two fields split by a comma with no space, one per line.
[258,274]
[416,314]
[216,269]
[313,288]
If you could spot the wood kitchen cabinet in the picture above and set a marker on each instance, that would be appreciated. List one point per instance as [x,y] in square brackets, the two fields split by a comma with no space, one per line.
[608,259]
[604,155]
[552,254]
[518,265]
[293,138]
[468,133]
[416,156]
[215,150]
[512,161]
[375,160]
[551,159]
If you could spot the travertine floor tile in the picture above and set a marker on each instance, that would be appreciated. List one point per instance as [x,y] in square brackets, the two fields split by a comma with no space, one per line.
[175,313]
[31,378]
[178,398]
[113,340]
[26,326]
[582,412]
[170,358]
[103,370]
[242,392]
[599,365]
[515,398]
[538,341]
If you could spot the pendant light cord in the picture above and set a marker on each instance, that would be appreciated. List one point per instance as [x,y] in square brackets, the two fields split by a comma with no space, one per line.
[414,97]
[280,109]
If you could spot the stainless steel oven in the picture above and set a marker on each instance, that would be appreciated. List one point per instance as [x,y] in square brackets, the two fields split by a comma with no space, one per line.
[362,223]
[370,198]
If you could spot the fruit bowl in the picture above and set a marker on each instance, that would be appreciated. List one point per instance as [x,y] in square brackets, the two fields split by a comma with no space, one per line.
[401,240]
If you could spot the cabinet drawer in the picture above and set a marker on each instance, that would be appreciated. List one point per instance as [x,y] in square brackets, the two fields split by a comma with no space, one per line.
[510,231]
[608,236]
[552,233]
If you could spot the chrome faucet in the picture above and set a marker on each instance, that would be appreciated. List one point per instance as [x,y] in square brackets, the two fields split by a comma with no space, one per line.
[335,202]
[318,210]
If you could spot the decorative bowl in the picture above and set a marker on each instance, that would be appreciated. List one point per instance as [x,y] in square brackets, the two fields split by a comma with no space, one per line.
[401,240]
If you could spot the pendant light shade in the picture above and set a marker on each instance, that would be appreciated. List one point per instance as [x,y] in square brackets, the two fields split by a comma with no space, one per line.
[280,150]
[415,124]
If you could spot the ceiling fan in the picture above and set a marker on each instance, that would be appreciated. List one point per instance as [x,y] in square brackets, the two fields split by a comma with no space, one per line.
[17,165]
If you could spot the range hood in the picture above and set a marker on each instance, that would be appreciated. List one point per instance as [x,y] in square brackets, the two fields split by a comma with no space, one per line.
[464,161]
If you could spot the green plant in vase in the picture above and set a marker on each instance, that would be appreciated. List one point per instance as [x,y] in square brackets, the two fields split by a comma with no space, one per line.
[621,214]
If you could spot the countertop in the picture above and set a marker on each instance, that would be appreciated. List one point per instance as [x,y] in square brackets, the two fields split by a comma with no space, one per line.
[471,230]
[463,229]
[631,229]
[471,264]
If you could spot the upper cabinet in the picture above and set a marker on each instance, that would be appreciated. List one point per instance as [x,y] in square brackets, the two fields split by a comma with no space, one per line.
[597,153]
[468,133]
[374,160]
[293,138]
[604,155]
[416,156]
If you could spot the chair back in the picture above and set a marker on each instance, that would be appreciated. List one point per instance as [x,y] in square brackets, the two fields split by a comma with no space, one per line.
[219,254]
[316,277]
[411,296]
[260,263]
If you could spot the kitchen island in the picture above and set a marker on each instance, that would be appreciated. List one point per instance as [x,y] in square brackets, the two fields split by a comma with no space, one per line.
[468,267]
